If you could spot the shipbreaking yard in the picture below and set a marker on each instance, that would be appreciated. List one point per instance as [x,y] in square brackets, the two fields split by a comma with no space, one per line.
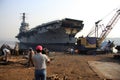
[65,67]
[92,61]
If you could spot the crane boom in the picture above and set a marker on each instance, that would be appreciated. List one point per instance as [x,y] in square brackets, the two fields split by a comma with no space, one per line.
[105,29]
[110,25]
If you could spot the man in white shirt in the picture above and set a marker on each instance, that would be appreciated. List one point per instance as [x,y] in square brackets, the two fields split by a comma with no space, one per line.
[6,53]
[39,61]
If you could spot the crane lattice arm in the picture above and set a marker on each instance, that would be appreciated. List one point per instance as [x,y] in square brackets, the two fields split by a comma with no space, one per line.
[105,30]
[110,25]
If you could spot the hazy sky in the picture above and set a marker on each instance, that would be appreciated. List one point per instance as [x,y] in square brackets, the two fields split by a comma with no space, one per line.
[42,11]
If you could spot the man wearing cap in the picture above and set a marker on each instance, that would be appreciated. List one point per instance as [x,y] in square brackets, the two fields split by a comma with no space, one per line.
[39,61]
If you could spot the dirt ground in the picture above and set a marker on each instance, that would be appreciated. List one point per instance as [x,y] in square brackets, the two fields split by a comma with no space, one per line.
[62,67]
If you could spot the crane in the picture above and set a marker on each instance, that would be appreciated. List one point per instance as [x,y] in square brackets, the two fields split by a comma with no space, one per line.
[88,42]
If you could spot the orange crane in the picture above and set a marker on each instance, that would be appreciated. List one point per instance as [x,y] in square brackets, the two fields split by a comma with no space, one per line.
[100,32]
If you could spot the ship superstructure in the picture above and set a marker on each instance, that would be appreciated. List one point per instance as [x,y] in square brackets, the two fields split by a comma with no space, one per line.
[24,26]
[56,35]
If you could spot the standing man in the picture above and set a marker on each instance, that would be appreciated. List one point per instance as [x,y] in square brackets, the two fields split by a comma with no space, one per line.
[39,61]
[30,54]
[16,49]
[72,51]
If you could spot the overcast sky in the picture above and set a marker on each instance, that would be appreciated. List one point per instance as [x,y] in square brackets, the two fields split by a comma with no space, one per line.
[43,11]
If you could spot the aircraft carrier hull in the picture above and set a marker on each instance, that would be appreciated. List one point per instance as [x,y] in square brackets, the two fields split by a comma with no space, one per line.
[56,35]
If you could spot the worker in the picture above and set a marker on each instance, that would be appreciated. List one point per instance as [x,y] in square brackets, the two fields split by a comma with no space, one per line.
[6,54]
[16,49]
[30,54]
[39,61]
[45,51]
[72,51]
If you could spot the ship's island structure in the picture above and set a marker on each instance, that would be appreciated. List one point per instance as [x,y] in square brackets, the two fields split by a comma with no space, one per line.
[57,35]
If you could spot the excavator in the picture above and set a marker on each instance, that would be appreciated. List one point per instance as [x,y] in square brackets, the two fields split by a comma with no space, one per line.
[100,32]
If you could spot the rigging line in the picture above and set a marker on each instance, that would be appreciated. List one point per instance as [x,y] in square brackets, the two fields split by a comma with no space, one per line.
[109,13]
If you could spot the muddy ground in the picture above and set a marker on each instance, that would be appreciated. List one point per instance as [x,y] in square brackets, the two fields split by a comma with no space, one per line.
[62,67]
